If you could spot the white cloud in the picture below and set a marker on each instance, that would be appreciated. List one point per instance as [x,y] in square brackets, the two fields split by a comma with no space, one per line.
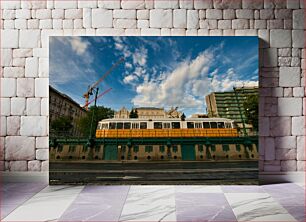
[78,45]
[140,56]
[128,65]
[129,79]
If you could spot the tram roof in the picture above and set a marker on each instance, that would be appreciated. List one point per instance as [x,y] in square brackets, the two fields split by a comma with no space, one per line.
[166,119]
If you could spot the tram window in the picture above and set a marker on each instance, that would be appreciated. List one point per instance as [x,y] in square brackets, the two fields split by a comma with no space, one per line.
[213,148]
[238,148]
[166,125]
[220,124]
[60,148]
[112,125]
[104,126]
[158,125]
[197,125]
[213,125]
[174,149]
[97,148]
[161,149]
[99,126]
[206,125]
[225,147]
[148,149]
[135,149]
[143,125]
[71,148]
[190,125]
[119,125]
[176,125]
[228,125]
[200,148]
[135,125]
[127,125]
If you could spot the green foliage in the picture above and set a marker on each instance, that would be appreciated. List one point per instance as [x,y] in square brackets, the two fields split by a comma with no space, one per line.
[100,112]
[134,114]
[251,110]
[61,125]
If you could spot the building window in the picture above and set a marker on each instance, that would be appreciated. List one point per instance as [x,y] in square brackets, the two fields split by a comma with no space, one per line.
[97,148]
[190,125]
[148,149]
[59,148]
[127,125]
[238,148]
[85,148]
[72,148]
[220,125]
[119,125]
[158,125]
[174,149]
[143,125]
[213,148]
[176,125]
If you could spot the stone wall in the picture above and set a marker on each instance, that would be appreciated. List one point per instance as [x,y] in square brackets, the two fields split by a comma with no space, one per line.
[26,26]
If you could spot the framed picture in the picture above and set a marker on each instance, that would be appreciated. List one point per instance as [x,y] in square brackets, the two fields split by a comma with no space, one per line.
[153,110]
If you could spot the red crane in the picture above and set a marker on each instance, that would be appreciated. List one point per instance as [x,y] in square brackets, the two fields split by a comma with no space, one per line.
[89,92]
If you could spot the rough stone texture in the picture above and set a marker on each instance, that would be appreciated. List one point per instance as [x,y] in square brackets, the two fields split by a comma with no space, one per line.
[279,24]
[42,154]
[20,148]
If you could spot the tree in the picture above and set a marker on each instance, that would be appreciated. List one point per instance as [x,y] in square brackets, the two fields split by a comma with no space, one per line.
[100,112]
[183,117]
[251,110]
[62,125]
[133,114]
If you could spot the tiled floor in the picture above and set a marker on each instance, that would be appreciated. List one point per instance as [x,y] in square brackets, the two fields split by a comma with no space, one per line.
[39,202]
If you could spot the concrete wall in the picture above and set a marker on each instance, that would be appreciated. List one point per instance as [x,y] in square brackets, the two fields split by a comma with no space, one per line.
[26,26]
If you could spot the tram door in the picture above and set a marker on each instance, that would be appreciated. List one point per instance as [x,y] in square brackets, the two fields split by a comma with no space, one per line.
[110,152]
[188,152]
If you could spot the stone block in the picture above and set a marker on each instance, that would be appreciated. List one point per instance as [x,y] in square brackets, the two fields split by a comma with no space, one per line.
[43,14]
[214,14]
[224,24]
[285,142]
[142,24]
[283,14]
[20,23]
[284,52]
[203,4]
[66,4]
[180,18]
[45,165]
[19,148]
[299,92]
[289,106]
[125,23]
[271,168]
[245,14]
[45,24]
[58,13]
[252,4]
[109,4]
[18,166]
[301,148]
[264,126]
[275,24]
[73,13]
[284,61]
[227,4]
[34,126]
[102,18]
[42,142]
[21,53]
[270,57]
[288,165]
[240,24]
[23,13]
[41,87]
[6,57]
[8,24]
[293,4]
[178,32]
[165,32]
[44,107]
[25,87]
[298,19]
[229,14]
[132,32]
[10,5]
[34,165]
[150,32]
[19,62]
[3,131]
[9,38]
[31,67]
[42,154]
[192,19]
[298,38]
[8,87]
[29,38]
[165,4]
[57,23]
[33,106]
[13,125]
[280,38]
[43,68]
[13,72]
[143,14]
[285,154]
[264,38]
[289,76]
[280,126]
[269,149]
[8,14]
[301,165]
[33,4]
[18,106]
[288,92]
[110,32]
[87,4]
[5,108]
[186,4]
[191,32]
[207,24]
[298,126]
[86,18]
[160,18]
[122,13]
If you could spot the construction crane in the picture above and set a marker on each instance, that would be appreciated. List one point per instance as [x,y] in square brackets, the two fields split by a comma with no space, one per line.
[93,100]
[91,88]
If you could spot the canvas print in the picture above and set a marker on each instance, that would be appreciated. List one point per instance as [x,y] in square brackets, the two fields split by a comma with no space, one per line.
[153,110]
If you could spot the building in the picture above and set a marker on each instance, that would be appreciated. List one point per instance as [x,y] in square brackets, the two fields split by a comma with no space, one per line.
[199,115]
[230,104]
[62,105]
[148,113]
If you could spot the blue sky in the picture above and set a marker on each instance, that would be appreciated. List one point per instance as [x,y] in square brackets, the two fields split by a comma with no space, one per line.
[157,71]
